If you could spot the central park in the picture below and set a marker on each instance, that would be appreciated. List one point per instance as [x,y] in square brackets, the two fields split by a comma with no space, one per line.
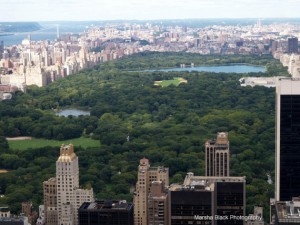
[131,117]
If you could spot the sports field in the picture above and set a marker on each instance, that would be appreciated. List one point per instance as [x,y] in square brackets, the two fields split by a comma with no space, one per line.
[39,143]
[175,81]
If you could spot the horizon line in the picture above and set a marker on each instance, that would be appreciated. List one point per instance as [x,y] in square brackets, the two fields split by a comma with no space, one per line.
[181,19]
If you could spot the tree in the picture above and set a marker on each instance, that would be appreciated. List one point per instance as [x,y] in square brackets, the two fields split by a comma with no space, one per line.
[3,144]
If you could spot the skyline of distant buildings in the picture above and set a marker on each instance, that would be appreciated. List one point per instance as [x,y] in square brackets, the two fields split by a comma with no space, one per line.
[43,62]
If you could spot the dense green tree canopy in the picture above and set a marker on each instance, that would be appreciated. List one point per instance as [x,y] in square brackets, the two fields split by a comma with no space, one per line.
[133,118]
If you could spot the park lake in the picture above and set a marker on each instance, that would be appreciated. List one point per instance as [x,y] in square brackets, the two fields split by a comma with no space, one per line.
[232,68]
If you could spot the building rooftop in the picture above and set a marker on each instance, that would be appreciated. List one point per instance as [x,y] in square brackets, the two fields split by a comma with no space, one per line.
[66,153]
[203,183]
[222,138]
[159,168]
[106,205]
[288,211]
[52,179]
[13,219]
[221,141]
[4,209]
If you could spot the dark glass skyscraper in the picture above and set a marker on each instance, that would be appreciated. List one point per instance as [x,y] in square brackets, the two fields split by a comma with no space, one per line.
[208,200]
[293,45]
[1,49]
[287,139]
[106,212]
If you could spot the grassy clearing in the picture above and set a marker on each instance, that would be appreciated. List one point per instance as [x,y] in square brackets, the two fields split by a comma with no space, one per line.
[175,81]
[39,143]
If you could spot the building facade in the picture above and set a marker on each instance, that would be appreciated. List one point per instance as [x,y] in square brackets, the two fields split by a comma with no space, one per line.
[14,221]
[146,175]
[27,211]
[106,212]
[217,156]
[208,201]
[69,196]
[292,45]
[158,204]
[50,201]
[62,195]
[287,180]
[4,212]
[287,212]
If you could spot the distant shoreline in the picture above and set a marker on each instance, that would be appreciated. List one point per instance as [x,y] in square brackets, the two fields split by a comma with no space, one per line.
[188,66]
[10,28]
[6,34]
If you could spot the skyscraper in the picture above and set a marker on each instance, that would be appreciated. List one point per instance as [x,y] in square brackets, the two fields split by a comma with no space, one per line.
[146,175]
[69,196]
[62,196]
[217,156]
[287,180]
[50,201]
[292,45]
[208,200]
[158,204]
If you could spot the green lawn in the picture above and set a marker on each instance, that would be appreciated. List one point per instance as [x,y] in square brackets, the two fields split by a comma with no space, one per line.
[38,143]
[165,83]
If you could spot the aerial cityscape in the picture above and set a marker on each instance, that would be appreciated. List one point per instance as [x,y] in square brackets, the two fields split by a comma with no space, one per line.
[43,62]
[149,113]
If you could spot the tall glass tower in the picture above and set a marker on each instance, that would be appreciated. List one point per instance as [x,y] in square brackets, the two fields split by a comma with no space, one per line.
[287,139]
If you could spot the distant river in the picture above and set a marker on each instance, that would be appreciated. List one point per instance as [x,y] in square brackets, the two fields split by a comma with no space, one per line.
[234,68]
[48,32]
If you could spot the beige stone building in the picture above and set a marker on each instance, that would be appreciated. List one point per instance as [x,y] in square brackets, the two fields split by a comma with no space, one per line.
[69,195]
[217,156]
[50,201]
[146,175]
[158,204]
[62,195]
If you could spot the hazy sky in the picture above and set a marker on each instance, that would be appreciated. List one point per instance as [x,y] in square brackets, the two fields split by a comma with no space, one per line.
[50,10]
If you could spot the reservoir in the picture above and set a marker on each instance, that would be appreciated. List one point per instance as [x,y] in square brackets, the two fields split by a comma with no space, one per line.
[233,68]
[73,112]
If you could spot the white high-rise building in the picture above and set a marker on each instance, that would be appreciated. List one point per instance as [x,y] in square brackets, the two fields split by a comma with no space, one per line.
[69,196]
